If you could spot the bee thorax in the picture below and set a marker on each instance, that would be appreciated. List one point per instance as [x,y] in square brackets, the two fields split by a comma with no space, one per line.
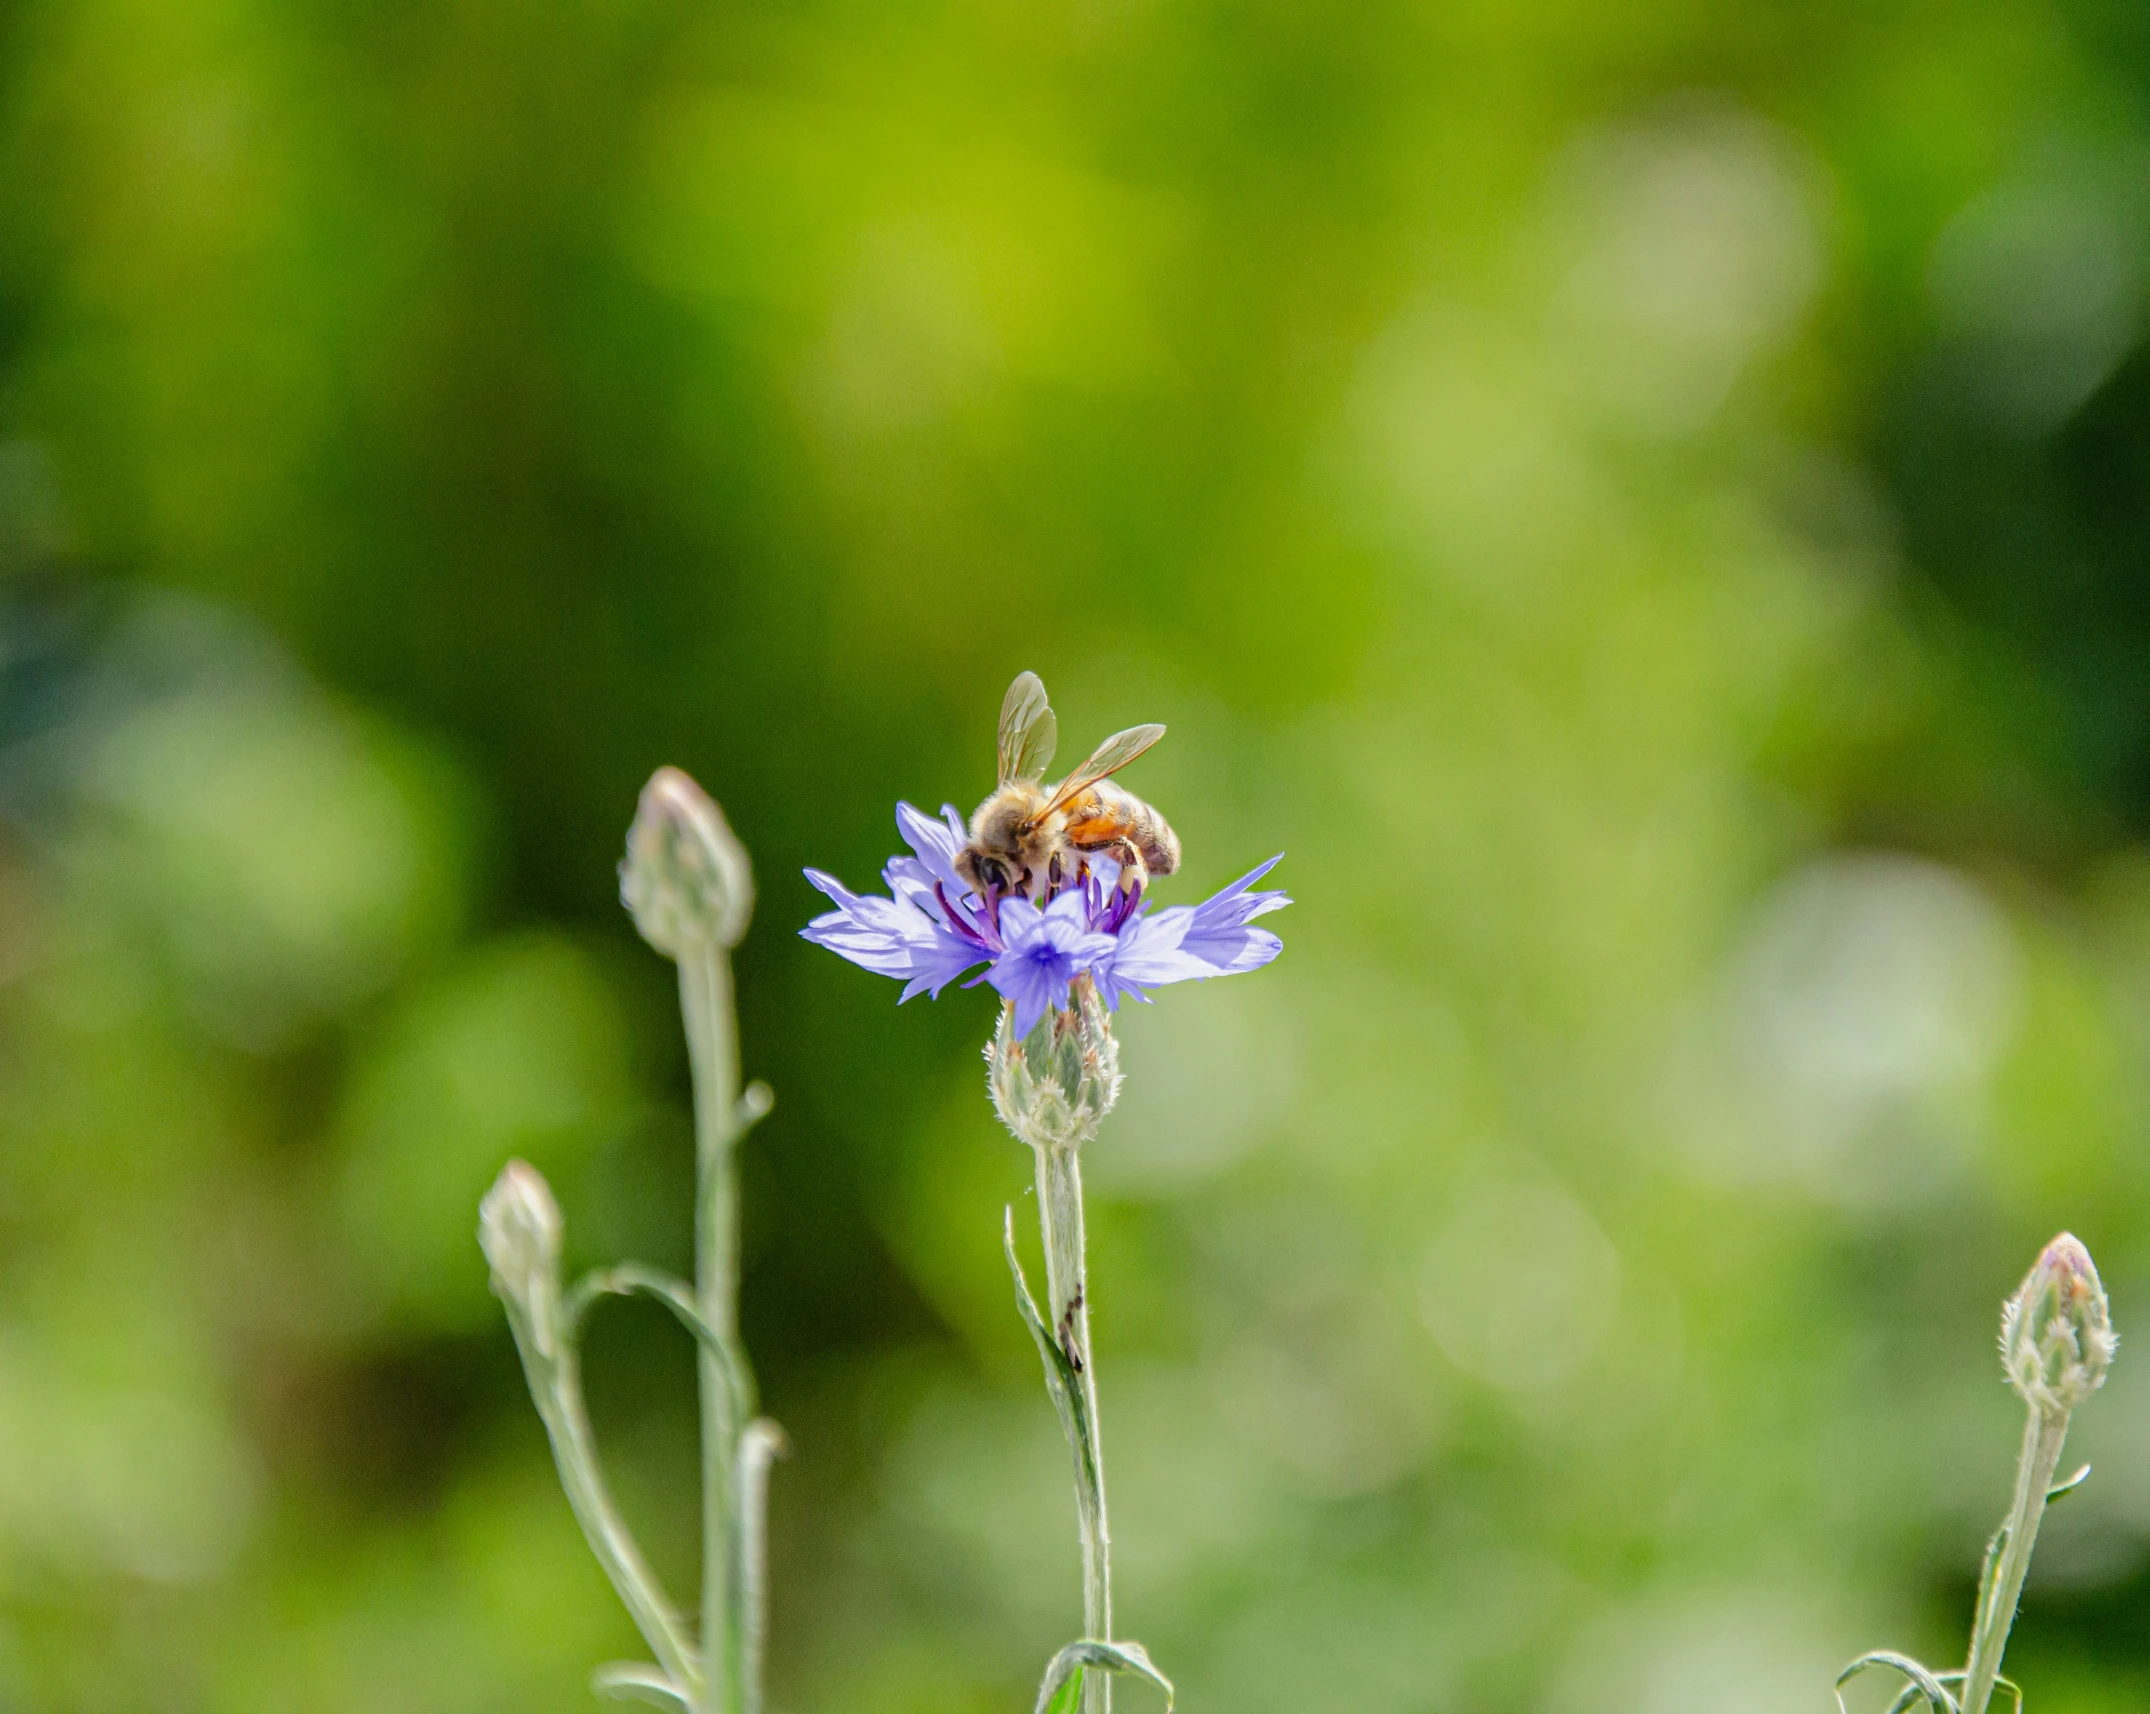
[1016,845]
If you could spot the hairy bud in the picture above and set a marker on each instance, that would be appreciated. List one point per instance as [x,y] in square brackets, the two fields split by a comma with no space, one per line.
[519,1229]
[1055,1086]
[2057,1337]
[686,879]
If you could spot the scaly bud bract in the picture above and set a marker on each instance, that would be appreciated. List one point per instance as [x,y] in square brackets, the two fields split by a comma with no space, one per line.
[1053,1087]
[2057,1337]
[686,879]
[519,1228]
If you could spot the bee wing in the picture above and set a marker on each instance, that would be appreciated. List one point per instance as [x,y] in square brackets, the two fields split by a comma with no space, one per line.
[1028,731]
[1109,758]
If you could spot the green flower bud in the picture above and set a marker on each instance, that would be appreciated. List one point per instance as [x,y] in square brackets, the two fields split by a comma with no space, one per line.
[1055,1086]
[2057,1337]
[686,879]
[519,1229]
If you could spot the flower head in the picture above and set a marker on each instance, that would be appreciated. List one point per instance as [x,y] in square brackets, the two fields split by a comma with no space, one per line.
[686,879]
[520,1231]
[1052,1085]
[2057,1337]
[932,928]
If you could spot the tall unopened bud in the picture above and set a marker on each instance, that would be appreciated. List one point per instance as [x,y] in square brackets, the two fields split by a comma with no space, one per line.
[686,879]
[519,1229]
[2057,1337]
[1055,1086]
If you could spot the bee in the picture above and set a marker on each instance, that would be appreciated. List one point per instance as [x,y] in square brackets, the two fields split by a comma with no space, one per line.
[1030,837]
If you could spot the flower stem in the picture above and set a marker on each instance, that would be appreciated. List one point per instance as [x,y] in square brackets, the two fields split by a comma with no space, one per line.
[554,1367]
[2002,1589]
[1068,1303]
[705,997]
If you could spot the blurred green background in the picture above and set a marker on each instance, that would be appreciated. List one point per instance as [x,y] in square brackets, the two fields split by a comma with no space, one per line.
[1647,503]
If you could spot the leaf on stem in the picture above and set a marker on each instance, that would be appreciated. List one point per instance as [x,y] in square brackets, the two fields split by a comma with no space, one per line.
[631,1681]
[2069,1486]
[1923,1682]
[1068,1665]
[1060,1375]
[1911,1692]
[632,1279]
[1069,1696]
[1995,1546]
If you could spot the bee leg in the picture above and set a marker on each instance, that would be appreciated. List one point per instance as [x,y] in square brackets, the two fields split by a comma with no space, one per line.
[1133,871]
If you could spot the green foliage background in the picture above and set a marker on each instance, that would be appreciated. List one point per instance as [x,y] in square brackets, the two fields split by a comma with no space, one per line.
[1646,503]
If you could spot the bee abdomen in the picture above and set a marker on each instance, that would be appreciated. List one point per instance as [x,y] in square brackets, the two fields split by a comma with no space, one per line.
[1154,838]
[1117,815]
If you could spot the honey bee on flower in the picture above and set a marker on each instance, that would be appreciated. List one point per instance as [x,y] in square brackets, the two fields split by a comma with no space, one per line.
[1044,893]
[1028,836]
[1044,885]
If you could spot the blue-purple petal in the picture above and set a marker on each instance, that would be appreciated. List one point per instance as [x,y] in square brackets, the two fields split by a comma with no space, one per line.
[890,937]
[1190,943]
[936,844]
[931,929]
[1043,951]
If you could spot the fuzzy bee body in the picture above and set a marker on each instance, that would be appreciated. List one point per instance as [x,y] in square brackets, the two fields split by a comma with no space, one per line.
[1030,837]
[1110,818]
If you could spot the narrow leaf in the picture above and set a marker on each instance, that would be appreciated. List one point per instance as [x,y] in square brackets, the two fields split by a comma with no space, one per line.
[1927,1685]
[1067,1666]
[631,1681]
[632,1279]
[2001,1681]
[2069,1486]
[1060,1378]
[1069,1696]
[1994,1545]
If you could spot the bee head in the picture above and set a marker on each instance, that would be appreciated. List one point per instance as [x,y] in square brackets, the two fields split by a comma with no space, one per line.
[995,858]
[986,873]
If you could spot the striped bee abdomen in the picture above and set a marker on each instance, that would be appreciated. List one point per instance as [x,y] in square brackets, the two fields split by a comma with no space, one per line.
[1106,814]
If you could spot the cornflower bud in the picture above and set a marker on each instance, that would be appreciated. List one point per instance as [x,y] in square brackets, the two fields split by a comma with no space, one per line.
[519,1229]
[1054,1087]
[686,879]
[2057,1337]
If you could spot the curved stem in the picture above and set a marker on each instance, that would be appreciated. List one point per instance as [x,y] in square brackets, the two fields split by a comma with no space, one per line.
[555,1376]
[1067,1302]
[2000,1592]
[632,1279]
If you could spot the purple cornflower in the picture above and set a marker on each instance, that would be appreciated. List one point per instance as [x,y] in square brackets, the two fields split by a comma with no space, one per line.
[932,928]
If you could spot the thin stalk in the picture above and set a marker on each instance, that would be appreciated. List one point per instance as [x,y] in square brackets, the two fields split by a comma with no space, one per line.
[705,998]
[762,1442]
[2042,1437]
[1068,1304]
[556,1386]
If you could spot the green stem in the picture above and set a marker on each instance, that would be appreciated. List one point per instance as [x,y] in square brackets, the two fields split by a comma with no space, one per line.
[1068,1305]
[705,997]
[555,1373]
[762,1442]
[2042,1438]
